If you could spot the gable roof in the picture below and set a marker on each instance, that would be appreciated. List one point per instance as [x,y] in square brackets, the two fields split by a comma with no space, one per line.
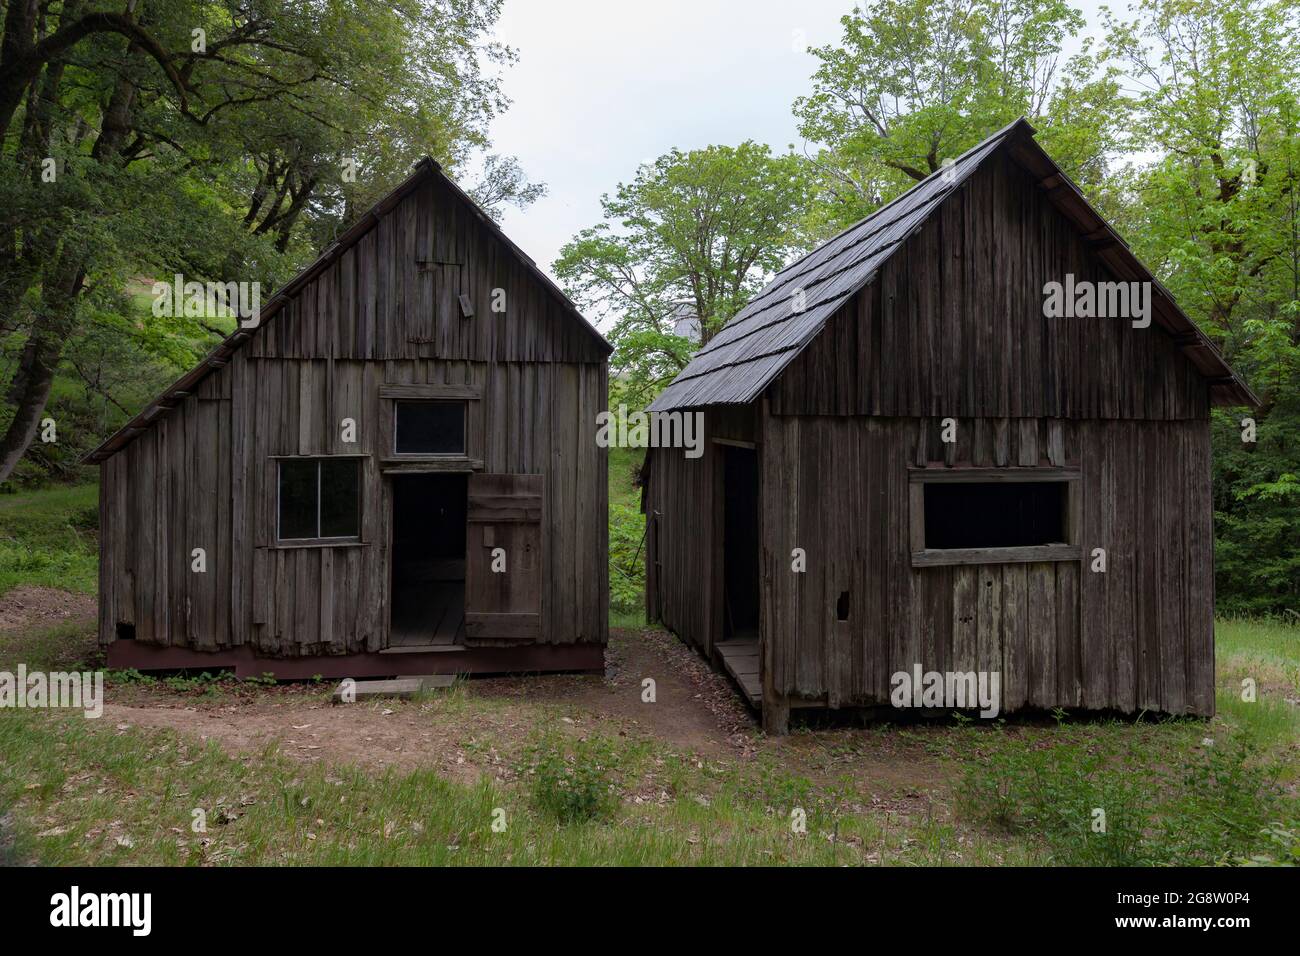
[752,349]
[425,169]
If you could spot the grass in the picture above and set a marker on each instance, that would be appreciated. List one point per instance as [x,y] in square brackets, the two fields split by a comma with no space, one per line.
[1173,791]
[48,538]
[1113,795]
[1169,791]
[86,794]
[1267,650]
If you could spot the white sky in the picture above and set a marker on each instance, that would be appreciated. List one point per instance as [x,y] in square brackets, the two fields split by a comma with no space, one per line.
[604,85]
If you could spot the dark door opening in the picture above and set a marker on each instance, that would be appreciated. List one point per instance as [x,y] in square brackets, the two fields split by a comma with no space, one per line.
[740,543]
[428,555]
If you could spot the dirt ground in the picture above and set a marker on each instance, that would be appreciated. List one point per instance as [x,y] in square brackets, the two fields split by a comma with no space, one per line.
[28,607]
[482,725]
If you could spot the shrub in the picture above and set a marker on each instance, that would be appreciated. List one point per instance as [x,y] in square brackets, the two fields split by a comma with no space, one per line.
[570,778]
[626,557]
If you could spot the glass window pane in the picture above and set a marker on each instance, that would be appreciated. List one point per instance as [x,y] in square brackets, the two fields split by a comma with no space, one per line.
[430,428]
[297,499]
[340,490]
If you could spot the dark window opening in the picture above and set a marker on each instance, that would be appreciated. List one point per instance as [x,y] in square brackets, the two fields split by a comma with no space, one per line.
[319,498]
[1001,514]
[842,607]
[430,428]
[125,631]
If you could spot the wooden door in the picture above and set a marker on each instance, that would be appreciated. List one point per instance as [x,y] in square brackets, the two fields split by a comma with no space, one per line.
[503,561]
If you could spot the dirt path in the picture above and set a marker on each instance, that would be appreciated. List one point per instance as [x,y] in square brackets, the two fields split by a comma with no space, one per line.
[29,607]
[472,731]
[481,726]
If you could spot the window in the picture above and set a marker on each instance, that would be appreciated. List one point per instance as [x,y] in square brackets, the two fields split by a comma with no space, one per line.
[985,515]
[1008,514]
[430,428]
[319,498]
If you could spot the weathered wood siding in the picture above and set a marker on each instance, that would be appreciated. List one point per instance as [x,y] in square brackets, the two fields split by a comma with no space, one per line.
[386,314]
[954,325]
[1138,636]
[394,294]
[205,477]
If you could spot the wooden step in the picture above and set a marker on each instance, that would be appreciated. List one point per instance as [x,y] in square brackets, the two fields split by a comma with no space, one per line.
[740,658]
[401,687]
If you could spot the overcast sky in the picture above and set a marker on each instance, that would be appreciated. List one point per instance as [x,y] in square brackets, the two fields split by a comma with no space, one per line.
[603,85]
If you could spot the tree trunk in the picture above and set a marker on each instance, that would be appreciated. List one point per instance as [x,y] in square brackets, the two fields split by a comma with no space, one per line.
[19,27]
[61,286]
[32,384]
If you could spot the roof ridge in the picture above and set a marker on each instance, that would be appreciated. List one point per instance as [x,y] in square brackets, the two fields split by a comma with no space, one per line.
[776,283]
[837,269]
[916,185]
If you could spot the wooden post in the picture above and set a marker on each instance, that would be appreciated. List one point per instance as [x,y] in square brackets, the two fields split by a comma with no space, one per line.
[776,715]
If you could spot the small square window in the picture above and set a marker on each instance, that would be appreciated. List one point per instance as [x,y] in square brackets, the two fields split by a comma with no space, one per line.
[319,498]
[430,428]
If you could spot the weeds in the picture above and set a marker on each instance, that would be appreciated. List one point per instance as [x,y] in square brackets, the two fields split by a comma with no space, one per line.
[570,779]
[1095,800]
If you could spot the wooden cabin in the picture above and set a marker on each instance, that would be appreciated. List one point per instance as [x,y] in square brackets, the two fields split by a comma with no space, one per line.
[393,471]
[910,465]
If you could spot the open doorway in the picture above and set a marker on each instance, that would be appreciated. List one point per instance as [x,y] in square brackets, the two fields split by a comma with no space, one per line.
[740,543]
[428,555]
[738,647]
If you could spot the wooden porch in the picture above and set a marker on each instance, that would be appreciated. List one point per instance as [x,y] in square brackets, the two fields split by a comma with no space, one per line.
[740,658]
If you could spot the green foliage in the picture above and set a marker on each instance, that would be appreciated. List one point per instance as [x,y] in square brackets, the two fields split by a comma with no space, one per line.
[570,778]
[627,549]
[914,82]
[1257,512]
[675,806]
[626,557]
[237,162]
[700,230]
[50,538]
[1209,805]
[1283,851]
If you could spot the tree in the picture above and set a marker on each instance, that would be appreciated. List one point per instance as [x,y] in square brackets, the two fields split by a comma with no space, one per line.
[1217,86]
[703,228]
[915,82]
[222,140]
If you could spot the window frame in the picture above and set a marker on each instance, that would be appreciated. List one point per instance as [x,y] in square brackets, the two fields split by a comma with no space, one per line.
[416,455]
[318,541]
[922,556]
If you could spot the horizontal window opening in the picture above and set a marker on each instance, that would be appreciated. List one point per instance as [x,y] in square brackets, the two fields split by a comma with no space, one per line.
[430,428]
[995,514]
